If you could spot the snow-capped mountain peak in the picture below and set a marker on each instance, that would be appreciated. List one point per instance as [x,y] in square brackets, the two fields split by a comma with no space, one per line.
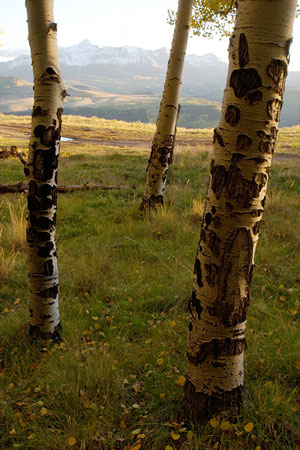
[85,53]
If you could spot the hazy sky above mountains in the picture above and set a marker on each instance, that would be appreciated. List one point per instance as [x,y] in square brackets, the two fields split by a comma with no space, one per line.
[115,23]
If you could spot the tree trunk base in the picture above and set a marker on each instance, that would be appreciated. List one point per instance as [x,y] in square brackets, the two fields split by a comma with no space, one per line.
[151,203]
[37,335]
[199,407]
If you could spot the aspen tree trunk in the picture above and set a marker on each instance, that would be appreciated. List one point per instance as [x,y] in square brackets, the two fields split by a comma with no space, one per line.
[41,170]
[243,148]
[164,138]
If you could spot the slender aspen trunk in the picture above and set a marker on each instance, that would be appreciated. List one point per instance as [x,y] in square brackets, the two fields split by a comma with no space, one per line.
[41,170]
[243,148]
[164,138]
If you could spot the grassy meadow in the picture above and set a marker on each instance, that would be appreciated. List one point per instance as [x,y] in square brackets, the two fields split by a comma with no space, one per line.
[115,381]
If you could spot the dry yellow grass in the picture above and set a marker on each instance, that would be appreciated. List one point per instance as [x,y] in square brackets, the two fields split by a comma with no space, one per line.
[7,260]
[17,227]
[197,210]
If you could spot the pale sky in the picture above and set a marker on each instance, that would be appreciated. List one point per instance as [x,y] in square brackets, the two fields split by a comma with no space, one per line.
[140,23]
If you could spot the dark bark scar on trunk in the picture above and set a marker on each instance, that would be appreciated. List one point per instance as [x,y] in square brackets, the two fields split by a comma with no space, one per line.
[243,50]
[273,109]
[218,137]
[277,70]
[243,142]
[234,278]
[45,162]
[198,272]
[254,97]
[200,407]
[244,80]
[212,271]
[218,179]
[232,115]
[195,306]
[217,348]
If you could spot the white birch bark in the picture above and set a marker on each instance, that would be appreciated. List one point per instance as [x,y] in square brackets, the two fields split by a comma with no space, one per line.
[243,148]
[41,170]
[164,138]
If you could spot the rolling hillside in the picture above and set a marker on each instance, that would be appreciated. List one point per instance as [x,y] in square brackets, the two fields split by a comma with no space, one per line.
[126,83]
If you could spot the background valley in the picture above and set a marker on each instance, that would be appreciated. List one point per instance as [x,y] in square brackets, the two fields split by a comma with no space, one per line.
[126,83]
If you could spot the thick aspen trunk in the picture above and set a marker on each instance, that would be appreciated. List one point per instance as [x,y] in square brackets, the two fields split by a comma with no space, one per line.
[243,148]
[164,138]
[41,170]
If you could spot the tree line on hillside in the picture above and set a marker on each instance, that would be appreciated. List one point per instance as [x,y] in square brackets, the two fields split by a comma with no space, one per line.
[191,115]
[243,147]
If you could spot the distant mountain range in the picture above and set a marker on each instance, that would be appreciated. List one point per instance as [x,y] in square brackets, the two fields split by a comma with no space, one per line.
[126,83]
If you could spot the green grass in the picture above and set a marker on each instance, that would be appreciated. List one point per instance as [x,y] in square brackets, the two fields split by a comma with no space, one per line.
[125,281]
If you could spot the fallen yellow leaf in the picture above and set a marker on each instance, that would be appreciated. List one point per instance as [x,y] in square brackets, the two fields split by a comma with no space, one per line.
[214,422]
[71,441]
[249,427]
[189,435]
[160,361]
[44,411]
[175,436]
[137,431]
[225,425]
[168,447]
[31,436]
[173,323]
[180,380]
[136,447]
